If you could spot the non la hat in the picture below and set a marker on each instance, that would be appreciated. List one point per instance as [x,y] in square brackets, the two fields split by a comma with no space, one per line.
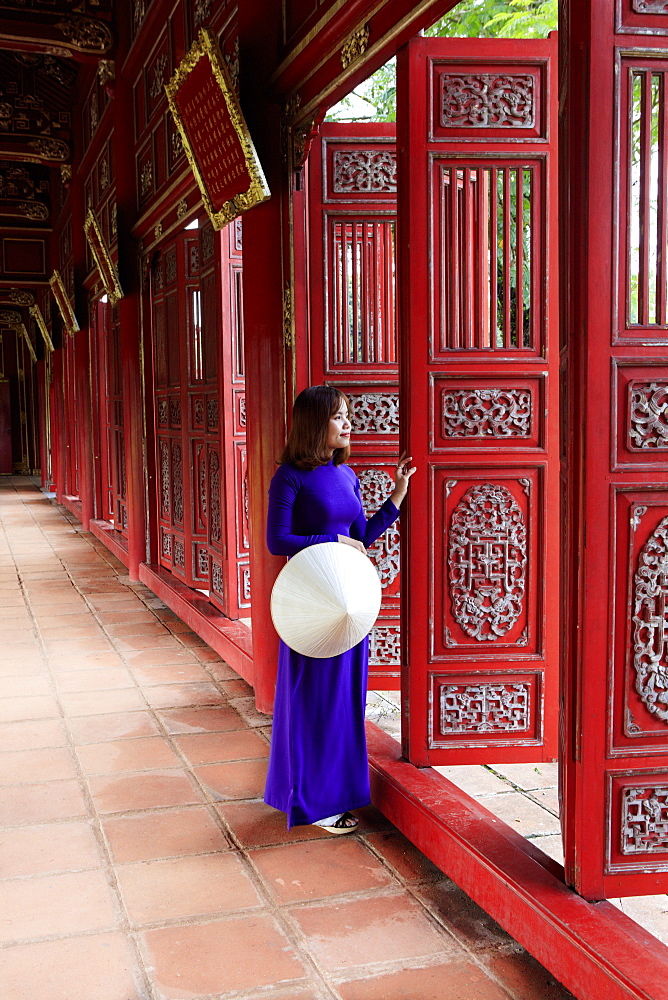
[325,599]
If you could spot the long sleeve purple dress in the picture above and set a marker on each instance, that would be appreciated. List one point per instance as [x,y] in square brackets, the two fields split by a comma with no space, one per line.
[318,760]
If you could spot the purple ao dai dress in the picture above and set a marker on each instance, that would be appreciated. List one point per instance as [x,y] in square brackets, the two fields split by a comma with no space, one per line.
[318,760]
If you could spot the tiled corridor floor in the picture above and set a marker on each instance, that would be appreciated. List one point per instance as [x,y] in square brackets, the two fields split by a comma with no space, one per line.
[137,859]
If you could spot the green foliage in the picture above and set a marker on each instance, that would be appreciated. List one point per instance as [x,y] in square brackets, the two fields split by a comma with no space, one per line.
[375,99]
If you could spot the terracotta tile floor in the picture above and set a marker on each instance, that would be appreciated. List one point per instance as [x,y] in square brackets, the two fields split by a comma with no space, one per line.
[137,859]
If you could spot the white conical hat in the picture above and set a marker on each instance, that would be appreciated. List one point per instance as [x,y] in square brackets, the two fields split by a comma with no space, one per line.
[325,599]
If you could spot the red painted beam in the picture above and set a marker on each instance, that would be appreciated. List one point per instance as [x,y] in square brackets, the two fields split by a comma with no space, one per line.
[231,640]
[593,949]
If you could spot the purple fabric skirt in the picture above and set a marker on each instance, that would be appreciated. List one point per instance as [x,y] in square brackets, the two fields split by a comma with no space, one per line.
[318,761]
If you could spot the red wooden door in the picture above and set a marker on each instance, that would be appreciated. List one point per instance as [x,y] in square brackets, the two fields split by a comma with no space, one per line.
[615,313]
[200,414]
[353,344]
[479,355]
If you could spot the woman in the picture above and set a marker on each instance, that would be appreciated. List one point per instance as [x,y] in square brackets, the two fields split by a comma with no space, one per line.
[318,767]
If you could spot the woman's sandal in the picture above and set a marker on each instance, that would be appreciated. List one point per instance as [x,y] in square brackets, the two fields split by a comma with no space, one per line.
[345,823]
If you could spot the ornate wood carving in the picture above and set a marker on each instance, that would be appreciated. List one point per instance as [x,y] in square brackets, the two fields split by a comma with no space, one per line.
[650,6]
[359,171]
[498,413]
[487,558]
[355,46]
[376,487]
[375,412]
[485,708]
[648,415]
[487,101]
[644,820]
[385,645]
[650,622]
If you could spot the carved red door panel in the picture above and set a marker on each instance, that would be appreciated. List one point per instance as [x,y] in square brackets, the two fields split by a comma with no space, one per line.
[477,239]
[109,432]
[352,208]
[615,316]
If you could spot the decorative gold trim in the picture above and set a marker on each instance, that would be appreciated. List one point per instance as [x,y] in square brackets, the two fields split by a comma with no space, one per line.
[63,303]
[355,46]
[20,330]
[258,190]
[36,314]
[288,328]
[105,264]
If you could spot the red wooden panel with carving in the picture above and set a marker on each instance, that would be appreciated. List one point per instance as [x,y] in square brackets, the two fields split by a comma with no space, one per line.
[353,341]
[615,774]
[477,238]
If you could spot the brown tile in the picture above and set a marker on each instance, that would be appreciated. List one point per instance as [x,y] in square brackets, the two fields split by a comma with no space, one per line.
[47,622]
[67,662]
[25,667]
[32,735]
[127,617]
[93,967]
[133,643]
[235,780]
[182,695]
[37,707]
[97,644]
[121,725]
[205,884]
[464,980]
[525,978]
[172,673]
[208,655]
[170,833]
[145,790]
[55,904]
[106,679]
[24,766]
[359,932]
[220,718]
[214,748]
[237,688]
[83,633]
[143,626]
[297,872]
[190,962]
[221,671]
[464,918]
[51,847]
[255,824]
[409,863]
[147,754]
[100,702]
[158,657]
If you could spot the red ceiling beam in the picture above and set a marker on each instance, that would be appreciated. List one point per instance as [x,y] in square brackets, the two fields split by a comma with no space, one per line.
[65,35]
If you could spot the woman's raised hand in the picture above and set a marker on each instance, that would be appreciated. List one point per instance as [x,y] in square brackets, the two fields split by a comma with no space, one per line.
[402,475]
[352,541]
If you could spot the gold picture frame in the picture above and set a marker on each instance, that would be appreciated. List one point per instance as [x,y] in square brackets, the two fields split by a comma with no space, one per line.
[63,303]
[36,314]
[21,331]
[102,258]
[215,137]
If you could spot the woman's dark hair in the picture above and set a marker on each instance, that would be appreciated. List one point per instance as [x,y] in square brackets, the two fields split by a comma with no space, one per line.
[307,442]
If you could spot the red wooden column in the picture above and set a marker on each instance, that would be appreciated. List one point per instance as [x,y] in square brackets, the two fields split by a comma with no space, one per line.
[264,344]
[614,211]
[129,312]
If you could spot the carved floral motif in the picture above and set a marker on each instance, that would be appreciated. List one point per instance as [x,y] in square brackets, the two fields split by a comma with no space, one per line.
[179,553]
[498,413]
[177,482]
[650,6]
[375,488]
[648,415]
[644,820]
[487,562]
[487,101]
[86,34]
[364,170]
[207,242]
[485,708]
[214,496]
[375,413]
[165,505]
[650,622]
[217,578]
[158,76]
[355,46]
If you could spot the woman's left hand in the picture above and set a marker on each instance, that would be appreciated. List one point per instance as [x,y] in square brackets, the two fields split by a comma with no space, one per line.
[402,475]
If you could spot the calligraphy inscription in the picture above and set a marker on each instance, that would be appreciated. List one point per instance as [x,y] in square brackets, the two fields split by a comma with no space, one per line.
[214,141]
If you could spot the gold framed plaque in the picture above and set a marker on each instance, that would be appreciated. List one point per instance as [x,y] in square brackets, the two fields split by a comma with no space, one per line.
[63,303]
[36,314]
[102,258]
[215,136]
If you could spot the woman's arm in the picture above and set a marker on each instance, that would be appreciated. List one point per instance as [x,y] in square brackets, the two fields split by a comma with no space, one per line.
[281,541]
[368,531]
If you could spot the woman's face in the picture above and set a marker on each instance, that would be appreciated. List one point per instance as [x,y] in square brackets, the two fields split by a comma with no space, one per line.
[338,430]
